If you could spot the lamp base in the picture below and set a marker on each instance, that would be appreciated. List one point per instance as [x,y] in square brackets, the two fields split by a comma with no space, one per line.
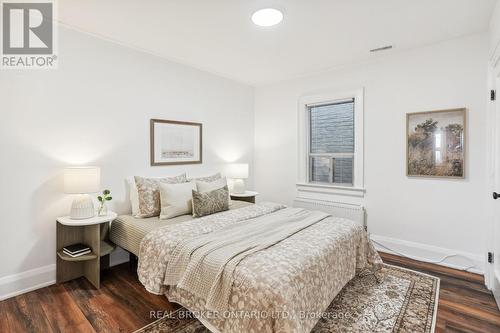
[82,208]
[239,186]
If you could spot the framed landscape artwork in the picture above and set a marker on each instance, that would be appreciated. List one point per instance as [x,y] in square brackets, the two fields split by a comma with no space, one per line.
[175,142]
[435,144]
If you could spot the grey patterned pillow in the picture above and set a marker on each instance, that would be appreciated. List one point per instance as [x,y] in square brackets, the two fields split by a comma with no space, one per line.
[148,190]
[206,203]
[208,179]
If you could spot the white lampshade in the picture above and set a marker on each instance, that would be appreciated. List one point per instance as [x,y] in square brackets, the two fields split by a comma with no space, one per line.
[237,171]
[82,180]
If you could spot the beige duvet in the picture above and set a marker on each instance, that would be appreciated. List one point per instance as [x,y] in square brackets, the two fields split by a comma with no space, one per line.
[282,288]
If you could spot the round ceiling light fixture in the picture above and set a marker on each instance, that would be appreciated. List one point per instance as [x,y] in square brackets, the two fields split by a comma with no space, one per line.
[267,17]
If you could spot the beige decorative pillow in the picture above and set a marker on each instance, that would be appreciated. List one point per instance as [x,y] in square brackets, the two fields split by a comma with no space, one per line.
[206,203]
[208,178]
[148,190]
[176,199]
[203,186]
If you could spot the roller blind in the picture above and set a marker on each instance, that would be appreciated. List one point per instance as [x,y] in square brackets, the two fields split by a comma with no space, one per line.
[331,142]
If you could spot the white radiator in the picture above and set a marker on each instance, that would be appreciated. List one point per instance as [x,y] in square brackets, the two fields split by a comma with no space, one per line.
[355,213]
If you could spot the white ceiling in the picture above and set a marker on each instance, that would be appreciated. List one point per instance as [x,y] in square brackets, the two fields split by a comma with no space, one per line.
[315,35]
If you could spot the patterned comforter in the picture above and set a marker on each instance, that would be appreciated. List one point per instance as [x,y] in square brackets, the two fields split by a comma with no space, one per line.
[283,288]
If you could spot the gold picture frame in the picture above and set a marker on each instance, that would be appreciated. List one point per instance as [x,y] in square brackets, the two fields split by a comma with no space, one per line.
[436,143]
[175,142]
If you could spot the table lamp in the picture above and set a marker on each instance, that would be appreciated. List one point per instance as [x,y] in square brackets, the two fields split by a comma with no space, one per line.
[82,181]
[238,172]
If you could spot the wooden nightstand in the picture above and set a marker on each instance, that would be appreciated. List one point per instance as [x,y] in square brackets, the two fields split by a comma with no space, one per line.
[92,232]
[247,196]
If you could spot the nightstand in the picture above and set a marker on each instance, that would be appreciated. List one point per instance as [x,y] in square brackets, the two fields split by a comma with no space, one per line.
[92,232]
[247,196]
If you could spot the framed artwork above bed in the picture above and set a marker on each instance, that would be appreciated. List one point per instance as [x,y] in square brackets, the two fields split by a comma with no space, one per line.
[175,142]
[435,144]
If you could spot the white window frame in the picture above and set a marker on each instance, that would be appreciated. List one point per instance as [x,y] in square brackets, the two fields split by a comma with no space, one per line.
[303,183]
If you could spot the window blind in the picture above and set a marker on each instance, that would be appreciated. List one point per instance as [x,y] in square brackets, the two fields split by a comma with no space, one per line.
[331,142]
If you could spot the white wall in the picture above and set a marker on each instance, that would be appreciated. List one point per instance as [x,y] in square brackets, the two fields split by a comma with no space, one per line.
[492,275]
[429,213]
[495,29]
[95,110]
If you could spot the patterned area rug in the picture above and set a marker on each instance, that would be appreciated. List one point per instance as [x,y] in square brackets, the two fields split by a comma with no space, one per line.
[404,301]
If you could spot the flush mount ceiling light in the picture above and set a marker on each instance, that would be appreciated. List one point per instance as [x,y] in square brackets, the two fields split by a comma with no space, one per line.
[267,17]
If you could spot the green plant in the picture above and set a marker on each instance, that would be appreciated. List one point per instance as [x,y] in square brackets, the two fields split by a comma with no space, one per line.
[105,196]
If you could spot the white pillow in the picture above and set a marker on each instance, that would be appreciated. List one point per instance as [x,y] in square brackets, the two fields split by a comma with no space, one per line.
[134,196]
[210,186]
[134,193]
[176,199]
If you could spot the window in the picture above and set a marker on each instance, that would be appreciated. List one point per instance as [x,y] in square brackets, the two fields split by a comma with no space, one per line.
[331,144]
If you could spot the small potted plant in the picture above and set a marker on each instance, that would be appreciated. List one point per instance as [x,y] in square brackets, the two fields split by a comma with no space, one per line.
[105,197]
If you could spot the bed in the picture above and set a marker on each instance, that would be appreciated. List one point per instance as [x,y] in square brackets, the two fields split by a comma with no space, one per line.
[259,268]
[128,231]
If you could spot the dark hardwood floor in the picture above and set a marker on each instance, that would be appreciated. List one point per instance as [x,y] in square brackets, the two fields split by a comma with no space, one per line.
[465,305]
[122,304]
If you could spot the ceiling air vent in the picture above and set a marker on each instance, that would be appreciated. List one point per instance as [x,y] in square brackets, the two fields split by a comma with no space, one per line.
[383,48]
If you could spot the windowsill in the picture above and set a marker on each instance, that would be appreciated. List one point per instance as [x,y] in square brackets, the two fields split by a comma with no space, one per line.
[331,189]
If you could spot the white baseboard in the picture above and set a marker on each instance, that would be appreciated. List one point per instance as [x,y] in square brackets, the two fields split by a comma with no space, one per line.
[496,287]
[33,279]
[20,283]
[429,253]
[16,284]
